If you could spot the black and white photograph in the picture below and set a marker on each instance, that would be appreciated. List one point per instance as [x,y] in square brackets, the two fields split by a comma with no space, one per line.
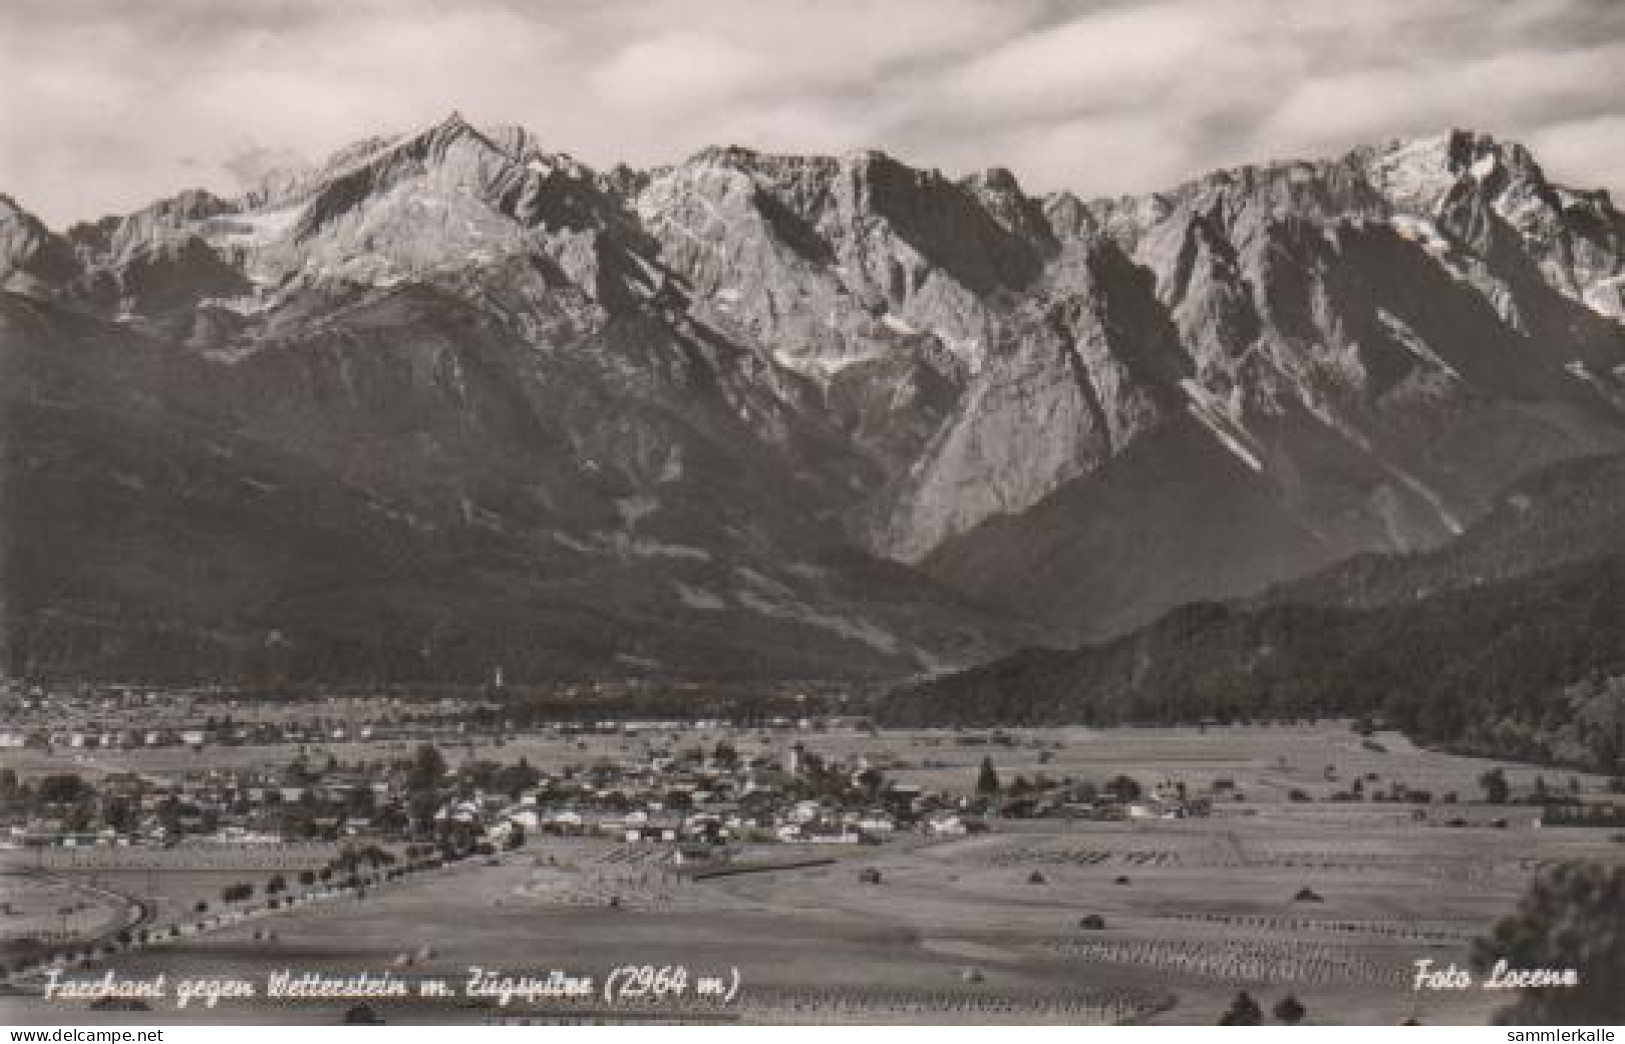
[1102,513]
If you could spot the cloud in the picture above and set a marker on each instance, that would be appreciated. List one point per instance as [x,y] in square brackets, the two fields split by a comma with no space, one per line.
[1571,151]
[1513,92]
[1111,154]
[680,73]
[101,111]
[110,104]
[1120,59]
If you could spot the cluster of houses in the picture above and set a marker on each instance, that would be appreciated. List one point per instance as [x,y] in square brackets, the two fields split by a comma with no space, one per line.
[705,797]
[240,806]
[712,798]
[694,799]
[781,793]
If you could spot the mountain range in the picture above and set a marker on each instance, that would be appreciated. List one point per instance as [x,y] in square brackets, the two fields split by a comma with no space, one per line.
[450,400]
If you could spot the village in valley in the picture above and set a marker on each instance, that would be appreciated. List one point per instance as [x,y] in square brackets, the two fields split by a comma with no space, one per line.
[1047,874]
[375,770]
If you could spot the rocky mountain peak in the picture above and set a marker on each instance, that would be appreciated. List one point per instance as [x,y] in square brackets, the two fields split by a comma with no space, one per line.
[1415,174]
[1071,408]
[995,180]
[31,256]
[10,210]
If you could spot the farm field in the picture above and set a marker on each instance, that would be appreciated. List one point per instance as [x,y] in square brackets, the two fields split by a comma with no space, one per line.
[1331,903]
[40,904]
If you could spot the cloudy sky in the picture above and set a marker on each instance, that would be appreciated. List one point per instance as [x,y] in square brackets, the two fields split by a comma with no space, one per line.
[108,104]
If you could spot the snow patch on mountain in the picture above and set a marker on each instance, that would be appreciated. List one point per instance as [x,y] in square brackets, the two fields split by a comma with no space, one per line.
[897,324]
[1209,410]
[868,633]
[1422,231]
[1413,174]
[699,598]
[1402,334]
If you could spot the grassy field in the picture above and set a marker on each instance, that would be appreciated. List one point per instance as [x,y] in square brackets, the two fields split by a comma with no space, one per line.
[1329,902]
[36,904]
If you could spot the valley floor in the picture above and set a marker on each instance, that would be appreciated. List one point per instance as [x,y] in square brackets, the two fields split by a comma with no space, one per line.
[1330,903]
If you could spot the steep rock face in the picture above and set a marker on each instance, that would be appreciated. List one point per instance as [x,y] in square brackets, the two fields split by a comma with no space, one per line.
[1575,238]
[159,264]
[879,284]
[1083,371]
[32,259]
[442,199]
[472,396]
[1171,519]
[1383,340]
[840,256]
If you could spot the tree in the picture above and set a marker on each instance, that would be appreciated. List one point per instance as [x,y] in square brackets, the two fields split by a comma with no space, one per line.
[61,788]
[362,1015]
[422,807]
[987,780]
[1124,789]
[297,773]
[428,766]
[120,814]
[1244,1011]
[1573,916]
[1495,786]
[1289,1011]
